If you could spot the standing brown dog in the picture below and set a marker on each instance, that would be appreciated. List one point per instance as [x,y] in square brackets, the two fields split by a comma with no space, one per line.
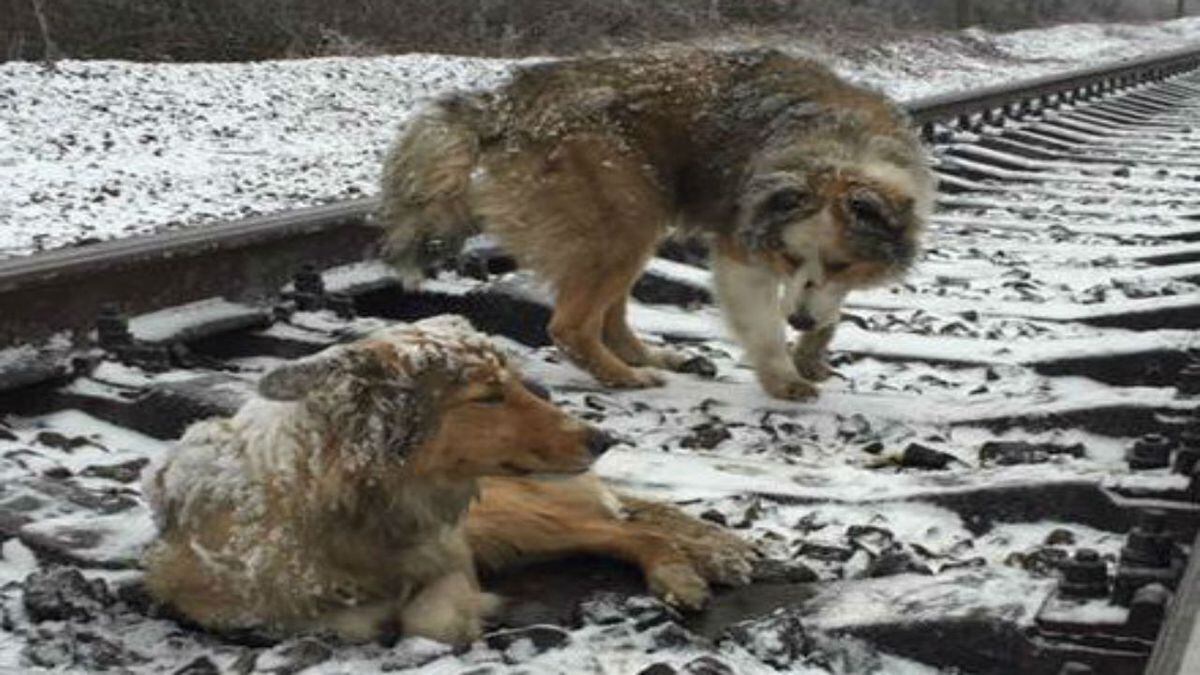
[805,185]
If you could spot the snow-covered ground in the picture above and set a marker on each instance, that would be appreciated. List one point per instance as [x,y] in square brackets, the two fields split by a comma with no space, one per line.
[99,150]
[795,480]
[947,361]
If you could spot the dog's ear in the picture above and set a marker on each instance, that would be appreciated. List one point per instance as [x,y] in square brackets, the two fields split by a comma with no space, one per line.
[769,203]
[292,381]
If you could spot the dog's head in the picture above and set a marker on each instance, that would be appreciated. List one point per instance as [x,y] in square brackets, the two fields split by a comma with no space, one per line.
[439,398]
[852,222]
[858,225]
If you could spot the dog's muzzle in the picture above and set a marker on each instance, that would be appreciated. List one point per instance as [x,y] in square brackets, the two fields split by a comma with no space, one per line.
[599,442]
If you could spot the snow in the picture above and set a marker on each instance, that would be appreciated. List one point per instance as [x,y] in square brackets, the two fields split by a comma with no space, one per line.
[175,323]
[968,594]
[16,562]
[1084,42]
[95,441]
[97,150]
[122,536]
[1096,612]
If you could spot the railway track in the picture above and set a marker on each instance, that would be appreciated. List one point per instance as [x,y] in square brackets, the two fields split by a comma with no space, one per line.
[1003,479]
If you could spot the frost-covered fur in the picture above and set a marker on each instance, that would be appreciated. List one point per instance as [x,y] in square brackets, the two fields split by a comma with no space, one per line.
[336,499]
[339,507]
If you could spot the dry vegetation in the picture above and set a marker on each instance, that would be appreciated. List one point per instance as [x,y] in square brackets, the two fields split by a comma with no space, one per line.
[189,30]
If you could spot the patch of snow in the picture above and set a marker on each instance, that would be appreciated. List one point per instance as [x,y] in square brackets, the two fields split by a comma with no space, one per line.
[16,562]
[992,592]
[120,537]
[176,322]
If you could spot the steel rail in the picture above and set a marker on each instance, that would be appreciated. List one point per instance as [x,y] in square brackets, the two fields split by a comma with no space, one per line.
[1020,98]
[1177,650]
[64,290]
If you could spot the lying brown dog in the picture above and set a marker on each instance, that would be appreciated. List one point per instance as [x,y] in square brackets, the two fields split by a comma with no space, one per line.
[341,499]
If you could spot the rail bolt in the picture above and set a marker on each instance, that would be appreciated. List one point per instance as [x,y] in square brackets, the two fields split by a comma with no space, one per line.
[308,289]
[1152,451]
[1148,543]
[1076,668]
[1148,557]
[1148,610]
[308,280]
[1084,576]
[112,328]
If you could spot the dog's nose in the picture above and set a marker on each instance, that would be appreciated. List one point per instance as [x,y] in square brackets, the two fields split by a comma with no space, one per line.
[599,442]
[801,320]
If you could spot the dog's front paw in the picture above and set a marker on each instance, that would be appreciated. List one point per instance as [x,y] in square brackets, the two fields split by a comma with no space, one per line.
[636,378]
[730,568]
[726,560]
[679,585]
[789,387]
[813,369]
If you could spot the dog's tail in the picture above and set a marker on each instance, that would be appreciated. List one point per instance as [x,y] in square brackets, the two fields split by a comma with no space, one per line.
[426,176]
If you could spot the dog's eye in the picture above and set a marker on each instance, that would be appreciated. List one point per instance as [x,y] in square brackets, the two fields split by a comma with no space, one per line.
[867,212]
[785,200]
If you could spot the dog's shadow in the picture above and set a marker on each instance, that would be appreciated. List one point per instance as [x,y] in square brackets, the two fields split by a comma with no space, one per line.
[553,592]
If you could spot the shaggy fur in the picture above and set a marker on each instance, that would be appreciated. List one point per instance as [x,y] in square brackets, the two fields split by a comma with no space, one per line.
[806,187]
[341,498]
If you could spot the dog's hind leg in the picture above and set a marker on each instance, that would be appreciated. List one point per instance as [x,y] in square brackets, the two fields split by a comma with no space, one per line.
[625,343]
[585,214]
[578,323]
